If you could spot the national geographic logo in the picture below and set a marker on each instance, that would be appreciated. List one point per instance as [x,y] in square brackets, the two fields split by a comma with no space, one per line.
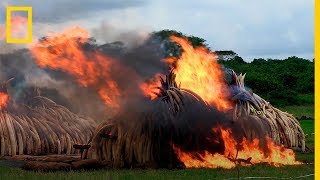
[10,10]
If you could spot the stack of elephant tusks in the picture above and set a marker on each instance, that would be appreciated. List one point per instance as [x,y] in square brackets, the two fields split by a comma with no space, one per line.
[48,128]
[282,127]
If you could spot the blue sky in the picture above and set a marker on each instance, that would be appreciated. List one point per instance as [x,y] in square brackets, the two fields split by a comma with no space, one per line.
[253,29]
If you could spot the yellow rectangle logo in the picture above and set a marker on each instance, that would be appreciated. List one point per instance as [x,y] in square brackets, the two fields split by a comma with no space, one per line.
[11,9]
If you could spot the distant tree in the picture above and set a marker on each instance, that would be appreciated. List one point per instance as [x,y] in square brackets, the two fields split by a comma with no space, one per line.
[226,55]
[171,48]
[239,59]
[258,61]
[195,41]
[229,52]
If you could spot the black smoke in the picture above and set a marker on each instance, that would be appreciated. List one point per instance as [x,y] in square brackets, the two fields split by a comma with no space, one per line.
[133,64]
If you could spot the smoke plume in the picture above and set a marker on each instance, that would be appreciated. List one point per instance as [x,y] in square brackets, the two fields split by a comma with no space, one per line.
[136,57]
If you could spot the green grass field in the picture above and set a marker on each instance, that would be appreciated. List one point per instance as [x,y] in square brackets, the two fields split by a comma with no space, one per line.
[298,111]
[261,170]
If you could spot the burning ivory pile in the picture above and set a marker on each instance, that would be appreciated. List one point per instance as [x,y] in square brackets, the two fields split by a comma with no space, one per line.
[143,134]
[180,120]
[41,127]
[281,126]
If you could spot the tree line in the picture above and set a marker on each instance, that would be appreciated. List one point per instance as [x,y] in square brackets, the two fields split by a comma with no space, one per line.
[283,82]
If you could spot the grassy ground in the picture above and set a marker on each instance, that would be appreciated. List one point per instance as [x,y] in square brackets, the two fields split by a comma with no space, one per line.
[298,111]
[257,170]
[261,170]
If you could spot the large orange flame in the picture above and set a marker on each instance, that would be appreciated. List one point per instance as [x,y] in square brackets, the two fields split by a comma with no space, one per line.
[149,87]
[64,51]
[3,100]
[250,153]
[18,27]
[198,71]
